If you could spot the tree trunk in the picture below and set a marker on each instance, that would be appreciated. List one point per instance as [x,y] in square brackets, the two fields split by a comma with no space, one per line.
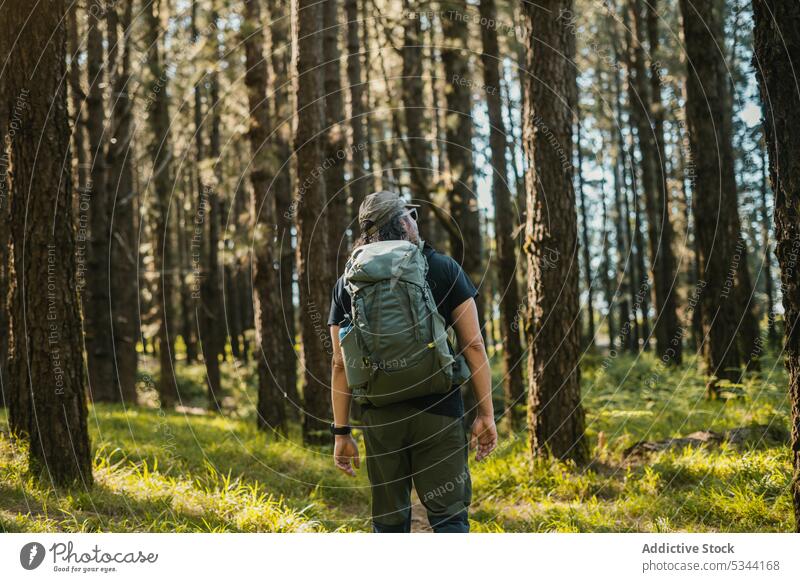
[587,256]
[513,386]
[161,183]
[772,336]
[465,243]
[358,183]
[124,296]
[211,322]
[413,96]
[49,383]
[629,324]
[374,175]
[669,332]
[335,140]
[608,288]
[99,334]
[284,110]
[714,192]
[777,52]
[555,414]
[271,412]
[644,107]
[315,272]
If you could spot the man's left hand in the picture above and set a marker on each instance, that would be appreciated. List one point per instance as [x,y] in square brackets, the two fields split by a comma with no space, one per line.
[484,436]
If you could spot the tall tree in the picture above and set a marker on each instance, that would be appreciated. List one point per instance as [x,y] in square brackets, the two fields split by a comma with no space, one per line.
[714,193]
[645,105]
[413,95]
[335,146]
[48,400]
[315,272]
[124,297]
[212,325]
[280,50]
[772,335]
[465,241]
[266,294]
[555,414]
[587,252]
[161,182]
[513,385]
[99,332]
[777,53]
[358,183]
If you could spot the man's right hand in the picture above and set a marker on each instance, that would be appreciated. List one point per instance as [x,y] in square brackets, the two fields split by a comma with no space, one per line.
[345,452]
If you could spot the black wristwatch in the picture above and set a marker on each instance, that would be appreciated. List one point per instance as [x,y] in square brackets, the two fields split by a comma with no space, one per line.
[340,430]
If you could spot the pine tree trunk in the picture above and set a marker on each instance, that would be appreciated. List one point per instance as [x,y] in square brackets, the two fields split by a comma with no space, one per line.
[714,192]
[271,413]
[161,184]
[284,110]
[99,344]
[643,108]
[212,325]
[777,52]
[772,336]
[315,272]
[465,242]
[587,256]
[413,96]
[335,140]
[358,183]
[123,244]
[669,332]
[555,415]
[608,288]
[513,385]
[48,400]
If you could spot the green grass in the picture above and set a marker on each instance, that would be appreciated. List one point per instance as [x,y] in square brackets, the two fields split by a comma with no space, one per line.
[189,470]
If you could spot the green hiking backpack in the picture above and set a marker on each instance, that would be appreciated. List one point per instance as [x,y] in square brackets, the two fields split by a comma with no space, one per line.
[396,346]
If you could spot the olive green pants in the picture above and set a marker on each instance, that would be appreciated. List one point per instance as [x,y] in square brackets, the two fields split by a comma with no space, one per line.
[406,445]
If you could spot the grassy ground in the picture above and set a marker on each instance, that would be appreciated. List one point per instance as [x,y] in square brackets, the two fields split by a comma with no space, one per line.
[187,470]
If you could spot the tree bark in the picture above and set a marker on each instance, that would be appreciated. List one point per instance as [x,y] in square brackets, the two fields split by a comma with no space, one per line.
[161,184]
[413,96]
[587,255]
[284,110]
[124,298]
[466,243]
[315,272]
[271,412]
[513,385]
[645,105]
[555,414]
[335,146]
[714,192]
[211,323]
[358,183]
[669,332]
[777,52]
[48,378]
[772,335]
[99,333]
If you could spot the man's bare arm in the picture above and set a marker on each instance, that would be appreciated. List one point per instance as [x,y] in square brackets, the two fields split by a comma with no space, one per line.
[345,449]
[470,342]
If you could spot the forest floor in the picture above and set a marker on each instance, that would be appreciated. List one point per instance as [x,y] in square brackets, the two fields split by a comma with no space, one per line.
[192,470]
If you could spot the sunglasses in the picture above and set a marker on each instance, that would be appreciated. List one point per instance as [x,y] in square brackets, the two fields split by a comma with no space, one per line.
[412,212]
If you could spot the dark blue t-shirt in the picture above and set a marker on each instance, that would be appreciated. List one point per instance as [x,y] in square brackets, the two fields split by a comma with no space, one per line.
[450,287]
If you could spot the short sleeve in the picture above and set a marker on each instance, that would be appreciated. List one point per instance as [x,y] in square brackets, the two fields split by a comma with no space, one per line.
[338,311]
[461,287]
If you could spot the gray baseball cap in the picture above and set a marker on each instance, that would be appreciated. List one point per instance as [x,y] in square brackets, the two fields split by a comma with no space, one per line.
[380,207]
